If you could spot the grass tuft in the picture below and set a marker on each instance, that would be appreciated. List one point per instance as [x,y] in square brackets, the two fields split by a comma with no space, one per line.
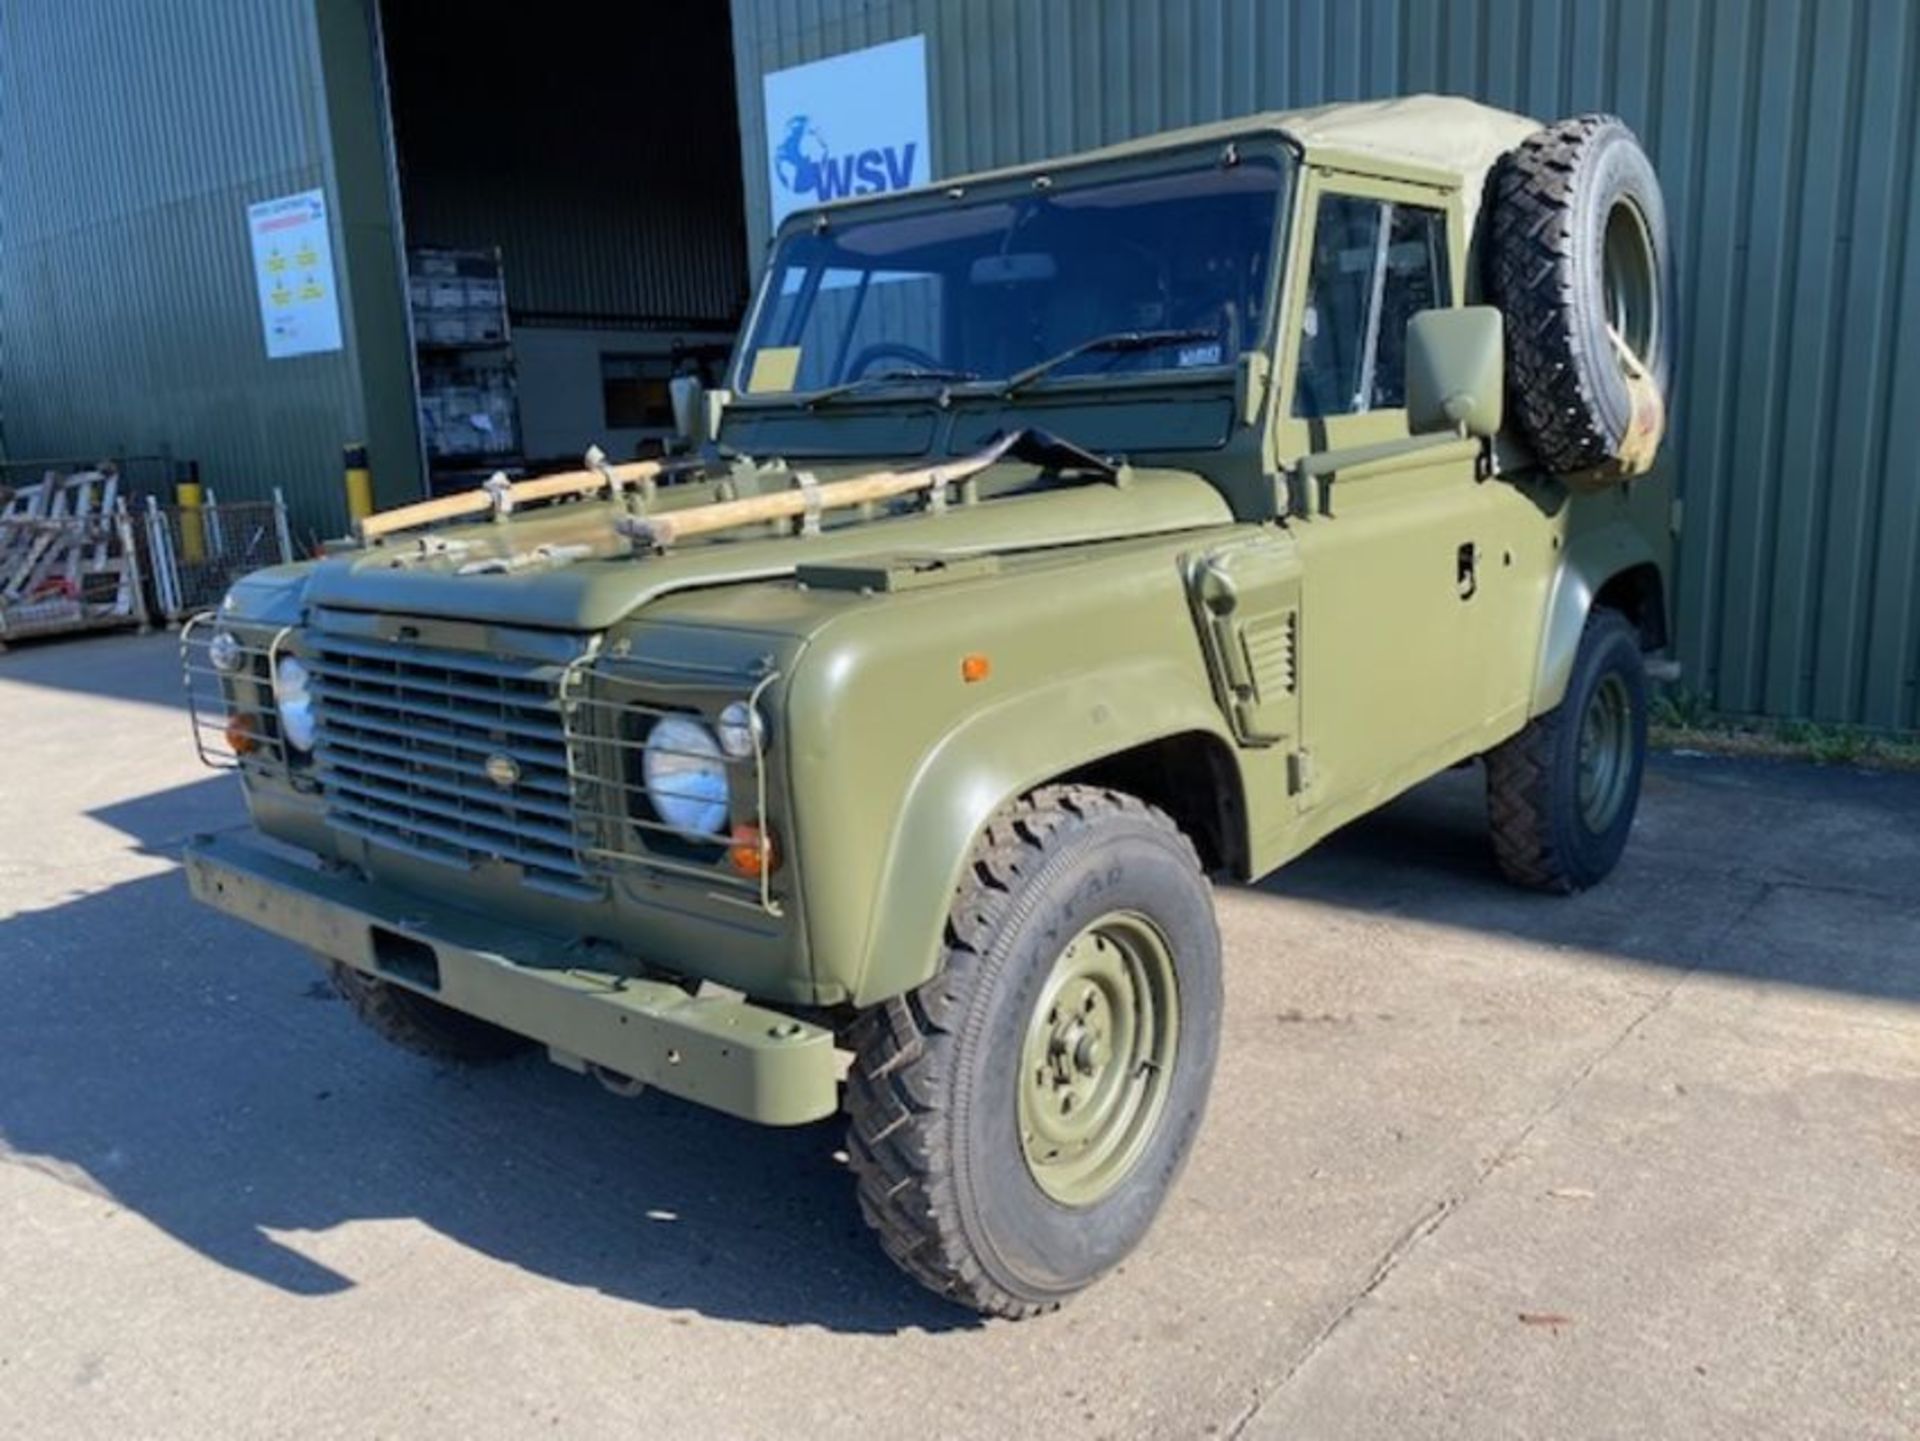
[1681,719]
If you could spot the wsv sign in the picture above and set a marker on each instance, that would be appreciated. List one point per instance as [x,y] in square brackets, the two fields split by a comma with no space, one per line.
[807,167]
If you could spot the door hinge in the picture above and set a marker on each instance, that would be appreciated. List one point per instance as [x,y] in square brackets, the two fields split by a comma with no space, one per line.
[1299,771]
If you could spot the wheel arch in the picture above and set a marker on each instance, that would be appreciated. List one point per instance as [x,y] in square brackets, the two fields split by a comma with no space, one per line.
[1614,566]
[1639,593]
[1146,725]
[1194,777]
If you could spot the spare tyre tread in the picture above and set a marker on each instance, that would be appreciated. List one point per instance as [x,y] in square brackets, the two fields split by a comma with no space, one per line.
[1531,268]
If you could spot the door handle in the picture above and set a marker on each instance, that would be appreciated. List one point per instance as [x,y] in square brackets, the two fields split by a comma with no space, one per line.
[1467,570]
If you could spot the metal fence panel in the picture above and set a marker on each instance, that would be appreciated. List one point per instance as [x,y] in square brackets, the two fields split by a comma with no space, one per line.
[194,553]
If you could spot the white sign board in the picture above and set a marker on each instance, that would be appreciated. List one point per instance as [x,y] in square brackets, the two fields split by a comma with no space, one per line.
[852,124]
[293,270]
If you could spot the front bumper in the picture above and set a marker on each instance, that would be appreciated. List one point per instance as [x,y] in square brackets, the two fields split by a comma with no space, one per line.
[719,1051]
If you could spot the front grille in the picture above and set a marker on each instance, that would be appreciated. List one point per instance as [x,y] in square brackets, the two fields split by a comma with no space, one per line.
[457,756]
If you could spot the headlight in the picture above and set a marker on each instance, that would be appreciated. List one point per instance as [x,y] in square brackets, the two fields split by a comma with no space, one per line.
[741,729]
[294,701]
[686,777]
[224,652]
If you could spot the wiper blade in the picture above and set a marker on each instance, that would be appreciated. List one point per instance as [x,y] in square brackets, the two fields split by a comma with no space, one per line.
[1118,342]
[883,377]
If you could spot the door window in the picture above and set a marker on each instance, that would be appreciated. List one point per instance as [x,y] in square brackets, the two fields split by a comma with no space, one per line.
[1375,265]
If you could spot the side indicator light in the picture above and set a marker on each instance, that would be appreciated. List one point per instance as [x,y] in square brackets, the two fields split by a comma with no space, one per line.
[241,735]
[975,667]
[751,851]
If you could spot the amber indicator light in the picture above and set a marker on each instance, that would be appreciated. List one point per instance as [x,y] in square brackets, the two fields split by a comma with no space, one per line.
[240,734]
[751,850]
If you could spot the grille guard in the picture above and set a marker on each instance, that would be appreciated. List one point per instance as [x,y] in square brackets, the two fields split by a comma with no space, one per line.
[613,813]
[466,757]
[216,698]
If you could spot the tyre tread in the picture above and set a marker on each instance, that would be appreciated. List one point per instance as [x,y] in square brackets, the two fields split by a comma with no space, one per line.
[1521,792]
[423,1026]
[904,1049]
[1531,276]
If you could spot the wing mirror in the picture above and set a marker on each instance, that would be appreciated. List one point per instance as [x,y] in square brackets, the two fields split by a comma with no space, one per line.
[689,399]
[1456,371]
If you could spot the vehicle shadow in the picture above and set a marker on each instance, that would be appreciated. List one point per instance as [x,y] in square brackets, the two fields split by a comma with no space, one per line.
[113,665]
[203,1075]
[185,1066]
[1759,870]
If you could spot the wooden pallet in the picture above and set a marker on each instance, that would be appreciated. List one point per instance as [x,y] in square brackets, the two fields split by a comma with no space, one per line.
[65,558]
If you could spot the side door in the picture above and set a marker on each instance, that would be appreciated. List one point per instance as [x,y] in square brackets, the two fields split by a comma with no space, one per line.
[1398,548]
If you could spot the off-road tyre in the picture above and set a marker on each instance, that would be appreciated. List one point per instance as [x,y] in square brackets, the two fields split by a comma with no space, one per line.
[416,1023]
[1560,282]
[935,1137]
[1542,838]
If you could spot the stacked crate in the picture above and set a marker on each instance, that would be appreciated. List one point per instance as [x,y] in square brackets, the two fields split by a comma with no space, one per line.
[66,556]
[469,409]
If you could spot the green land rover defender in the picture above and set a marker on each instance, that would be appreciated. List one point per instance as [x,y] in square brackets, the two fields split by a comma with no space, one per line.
[1066,536]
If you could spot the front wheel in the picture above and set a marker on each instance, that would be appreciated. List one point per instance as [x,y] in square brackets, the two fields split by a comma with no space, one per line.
[1017,1122]
[1562,793]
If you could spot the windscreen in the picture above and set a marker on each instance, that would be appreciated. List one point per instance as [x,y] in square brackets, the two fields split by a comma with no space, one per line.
[983,289]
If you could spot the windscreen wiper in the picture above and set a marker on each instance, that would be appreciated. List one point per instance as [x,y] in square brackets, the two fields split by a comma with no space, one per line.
[812,398]
[1118,342]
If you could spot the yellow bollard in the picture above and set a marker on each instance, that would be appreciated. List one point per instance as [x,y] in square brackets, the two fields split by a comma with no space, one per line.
[359,483]
[193,533]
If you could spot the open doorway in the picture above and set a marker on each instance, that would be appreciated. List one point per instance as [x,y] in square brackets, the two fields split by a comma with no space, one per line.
[569,179]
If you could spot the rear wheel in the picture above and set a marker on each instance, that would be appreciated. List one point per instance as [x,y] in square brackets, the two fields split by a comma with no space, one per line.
[1561,795]
[1017,1122]
[415,1023]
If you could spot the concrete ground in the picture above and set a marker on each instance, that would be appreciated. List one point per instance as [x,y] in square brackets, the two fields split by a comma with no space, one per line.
[1645,1162]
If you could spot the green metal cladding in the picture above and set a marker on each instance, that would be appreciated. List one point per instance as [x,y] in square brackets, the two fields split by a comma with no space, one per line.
[131,143]
[1785,133]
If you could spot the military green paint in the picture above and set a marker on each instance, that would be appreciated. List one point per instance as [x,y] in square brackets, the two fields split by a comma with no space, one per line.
[724,1053]
[1461,349]
[593,594]
[1593,557]
[1412,612]
[884,825]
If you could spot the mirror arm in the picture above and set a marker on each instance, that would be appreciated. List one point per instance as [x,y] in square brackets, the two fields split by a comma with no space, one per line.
[1329,465]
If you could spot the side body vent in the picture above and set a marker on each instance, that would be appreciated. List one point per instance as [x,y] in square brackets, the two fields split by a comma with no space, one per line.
[1246,599]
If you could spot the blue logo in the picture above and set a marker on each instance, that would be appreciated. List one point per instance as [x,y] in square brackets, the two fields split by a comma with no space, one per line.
[807,167]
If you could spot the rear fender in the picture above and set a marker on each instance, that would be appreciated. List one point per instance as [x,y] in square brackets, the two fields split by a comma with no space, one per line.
[1590,560]
[998,754]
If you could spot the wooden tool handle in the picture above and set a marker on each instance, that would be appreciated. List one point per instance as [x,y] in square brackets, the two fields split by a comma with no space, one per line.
[664,529]
[479,502]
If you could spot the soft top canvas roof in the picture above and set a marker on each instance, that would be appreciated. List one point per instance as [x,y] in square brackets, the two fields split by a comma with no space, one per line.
[1442,132]
[1447,133]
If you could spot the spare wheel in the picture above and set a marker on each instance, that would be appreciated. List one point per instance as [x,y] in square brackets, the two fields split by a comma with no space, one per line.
[1578,259]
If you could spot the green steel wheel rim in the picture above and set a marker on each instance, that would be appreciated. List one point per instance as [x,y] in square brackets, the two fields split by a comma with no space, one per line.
[1629,281]
[1606,753]
[1098,1058]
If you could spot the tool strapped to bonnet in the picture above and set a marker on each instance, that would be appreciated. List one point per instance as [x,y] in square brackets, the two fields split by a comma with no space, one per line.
[809,499]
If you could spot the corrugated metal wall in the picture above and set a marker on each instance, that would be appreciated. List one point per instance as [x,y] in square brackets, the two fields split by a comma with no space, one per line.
[127,163]
[1785,132]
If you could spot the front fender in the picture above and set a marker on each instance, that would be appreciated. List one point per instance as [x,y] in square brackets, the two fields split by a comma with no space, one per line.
[1590,560]
[999,753]
[274,595]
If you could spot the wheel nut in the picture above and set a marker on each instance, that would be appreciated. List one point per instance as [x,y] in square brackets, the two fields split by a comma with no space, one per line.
[1090,1055]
